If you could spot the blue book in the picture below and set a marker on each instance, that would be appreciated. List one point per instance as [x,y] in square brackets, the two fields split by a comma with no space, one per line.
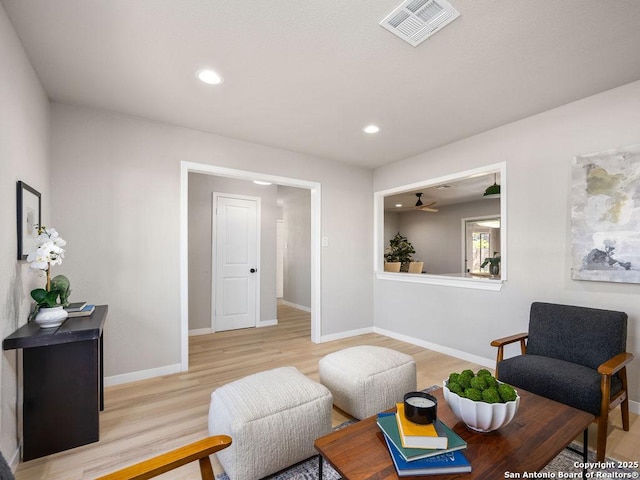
[84,312]
[452,462]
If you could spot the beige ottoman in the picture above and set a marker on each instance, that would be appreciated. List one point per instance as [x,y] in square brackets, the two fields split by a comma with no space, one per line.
[272,417]
[366,380]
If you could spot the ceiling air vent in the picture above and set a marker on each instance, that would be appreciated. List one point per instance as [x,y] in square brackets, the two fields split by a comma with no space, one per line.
[416,20]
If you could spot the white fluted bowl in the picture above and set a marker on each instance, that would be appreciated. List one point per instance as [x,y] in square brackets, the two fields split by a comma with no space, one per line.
[480,416]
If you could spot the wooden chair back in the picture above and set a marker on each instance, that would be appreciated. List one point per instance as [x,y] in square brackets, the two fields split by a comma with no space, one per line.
[415,267]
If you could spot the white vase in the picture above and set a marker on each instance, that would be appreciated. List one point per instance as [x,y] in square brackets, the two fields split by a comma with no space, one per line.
[48,317]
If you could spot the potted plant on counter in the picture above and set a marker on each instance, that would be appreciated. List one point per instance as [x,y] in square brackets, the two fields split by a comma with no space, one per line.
[398,254]
[494,264]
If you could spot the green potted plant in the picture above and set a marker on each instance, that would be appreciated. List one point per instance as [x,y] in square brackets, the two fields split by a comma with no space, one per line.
[48,312]
[494,264]
[399,252]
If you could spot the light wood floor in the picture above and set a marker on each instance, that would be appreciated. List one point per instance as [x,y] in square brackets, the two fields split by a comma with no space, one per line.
[142,419]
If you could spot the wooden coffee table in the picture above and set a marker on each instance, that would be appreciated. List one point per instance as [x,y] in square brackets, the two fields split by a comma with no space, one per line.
[540,430]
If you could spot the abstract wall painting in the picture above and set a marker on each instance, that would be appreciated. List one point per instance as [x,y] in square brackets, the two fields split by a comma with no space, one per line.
[605,216]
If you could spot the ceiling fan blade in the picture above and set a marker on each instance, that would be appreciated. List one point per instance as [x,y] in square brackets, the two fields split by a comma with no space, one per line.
[427,209]
[430,204]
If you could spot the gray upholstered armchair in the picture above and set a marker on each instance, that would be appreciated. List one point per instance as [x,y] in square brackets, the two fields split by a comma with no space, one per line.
[574,355]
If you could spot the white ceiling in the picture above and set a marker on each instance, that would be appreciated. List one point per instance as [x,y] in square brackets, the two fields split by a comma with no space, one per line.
[309,75]
[468,189]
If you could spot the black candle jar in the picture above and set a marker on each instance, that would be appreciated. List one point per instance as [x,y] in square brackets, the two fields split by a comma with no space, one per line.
[420,407]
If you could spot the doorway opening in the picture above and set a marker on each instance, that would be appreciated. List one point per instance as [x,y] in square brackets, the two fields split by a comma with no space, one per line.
[481,241]
[314,190]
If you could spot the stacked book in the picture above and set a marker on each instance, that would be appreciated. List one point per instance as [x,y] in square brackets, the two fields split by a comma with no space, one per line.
[415,449]
[79,309]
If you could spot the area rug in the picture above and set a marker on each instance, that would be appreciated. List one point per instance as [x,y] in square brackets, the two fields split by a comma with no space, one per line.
[567,464]
[570,462]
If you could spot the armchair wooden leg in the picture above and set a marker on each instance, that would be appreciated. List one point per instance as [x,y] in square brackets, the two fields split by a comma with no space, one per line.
[624,406]
[206,471]
[601,447]
[624,409]
[603,419]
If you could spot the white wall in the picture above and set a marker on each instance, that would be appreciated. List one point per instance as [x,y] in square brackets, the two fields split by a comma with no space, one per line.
[297,237]
[24,155]
[538,151]
[116,195]
[200,189]
[437,237]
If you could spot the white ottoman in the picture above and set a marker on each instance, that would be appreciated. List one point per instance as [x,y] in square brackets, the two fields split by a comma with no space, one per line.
[272,417]
[366,380]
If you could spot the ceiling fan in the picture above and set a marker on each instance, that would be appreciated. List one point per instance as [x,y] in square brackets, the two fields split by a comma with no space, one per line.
[423,207]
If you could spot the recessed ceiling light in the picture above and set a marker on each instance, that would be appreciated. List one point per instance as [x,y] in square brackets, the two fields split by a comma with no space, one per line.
[371,129]
[210,77]
[261,182]
[398,205]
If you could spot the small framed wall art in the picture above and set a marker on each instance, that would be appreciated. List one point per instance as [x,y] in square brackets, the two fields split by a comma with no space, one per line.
[29,213]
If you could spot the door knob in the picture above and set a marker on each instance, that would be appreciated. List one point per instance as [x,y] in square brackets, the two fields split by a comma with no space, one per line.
[253,270]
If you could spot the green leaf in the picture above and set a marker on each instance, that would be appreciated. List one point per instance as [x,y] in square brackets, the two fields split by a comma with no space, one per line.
[399,250]
[39,294]
[44,298]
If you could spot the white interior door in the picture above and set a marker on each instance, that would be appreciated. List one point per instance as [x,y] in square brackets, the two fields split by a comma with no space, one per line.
[235,267]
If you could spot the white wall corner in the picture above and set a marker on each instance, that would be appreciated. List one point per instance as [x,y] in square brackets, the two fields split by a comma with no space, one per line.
[14,461]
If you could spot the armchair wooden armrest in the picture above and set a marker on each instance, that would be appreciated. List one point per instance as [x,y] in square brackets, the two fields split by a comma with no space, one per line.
[152,467]
[501,342]
[612,366]
[615,364]
[518,337]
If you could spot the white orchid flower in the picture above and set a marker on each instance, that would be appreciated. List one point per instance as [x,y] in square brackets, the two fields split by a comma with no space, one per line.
[49,251]
[37,260]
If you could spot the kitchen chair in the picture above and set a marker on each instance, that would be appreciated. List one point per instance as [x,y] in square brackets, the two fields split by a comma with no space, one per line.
[415,267]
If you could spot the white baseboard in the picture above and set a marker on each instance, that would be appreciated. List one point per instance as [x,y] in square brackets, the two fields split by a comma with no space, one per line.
[206,331]
[14,461]
[268,323]
[341,335]
[142,375]
[200,331]
[299,307]
[485,362]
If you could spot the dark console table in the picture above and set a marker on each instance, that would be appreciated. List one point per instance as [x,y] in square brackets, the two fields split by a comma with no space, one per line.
[63,382]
